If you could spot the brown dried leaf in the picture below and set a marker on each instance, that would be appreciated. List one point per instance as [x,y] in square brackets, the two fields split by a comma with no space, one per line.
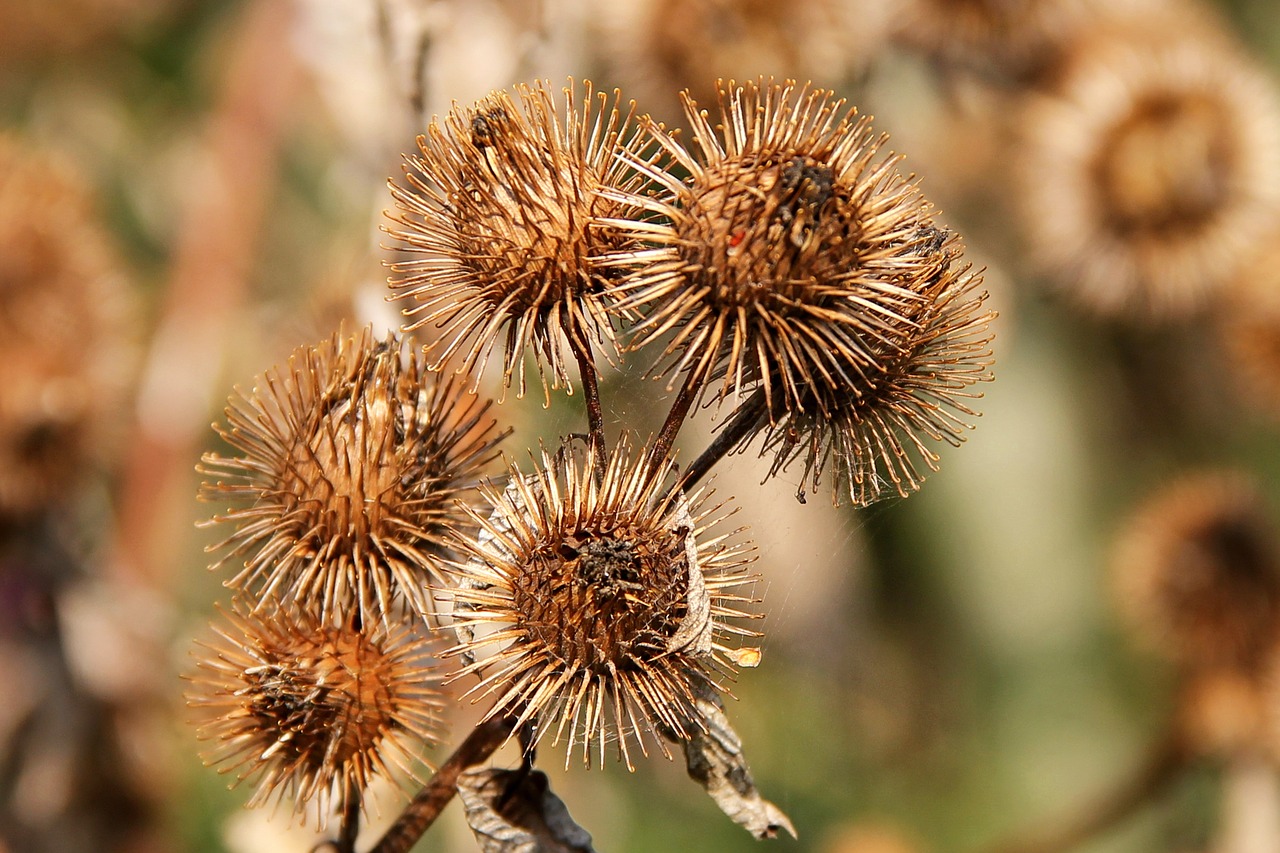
[713,755]
[695,632]
[514,811]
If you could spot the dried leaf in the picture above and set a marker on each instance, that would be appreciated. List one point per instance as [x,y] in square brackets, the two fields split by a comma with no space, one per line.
[714,758]
[514,811]
[695,632]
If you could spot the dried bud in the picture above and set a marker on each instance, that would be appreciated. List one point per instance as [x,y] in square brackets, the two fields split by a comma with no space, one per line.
[66,332]
[310,711]
[354,457]
[598,610]
[1151,169]
[504,215]
[1198,571]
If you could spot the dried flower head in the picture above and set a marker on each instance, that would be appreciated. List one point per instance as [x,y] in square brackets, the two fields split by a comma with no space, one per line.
[1012,37]
[1197,570]
[874,436]
[62,296]
[1223,713]
[353,459]
[658,47]
[309,710]
[1151,169]
[598,610]
[505,220]
[792,255]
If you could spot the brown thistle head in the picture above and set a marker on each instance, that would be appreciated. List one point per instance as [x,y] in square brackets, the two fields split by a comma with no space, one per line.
[874,436]
[1197,569]
[66,332]
[790,258]
[597,611]
[505,218]
[352,459]
[306,710]
[1150,169]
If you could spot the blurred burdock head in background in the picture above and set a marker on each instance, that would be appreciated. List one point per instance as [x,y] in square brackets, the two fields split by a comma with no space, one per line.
[32,30]
[791,249]
[1197,570]
[68,330]
[353,459]
[507,229]
[873,436]
[307,710]
[659,47]
[600,611]
[1011,38]
[1151,167]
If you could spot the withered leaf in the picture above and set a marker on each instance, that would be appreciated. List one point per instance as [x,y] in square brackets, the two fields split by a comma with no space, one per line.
[515,811]
[713,755]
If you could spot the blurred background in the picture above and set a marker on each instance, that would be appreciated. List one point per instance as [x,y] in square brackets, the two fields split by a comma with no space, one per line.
[191,189]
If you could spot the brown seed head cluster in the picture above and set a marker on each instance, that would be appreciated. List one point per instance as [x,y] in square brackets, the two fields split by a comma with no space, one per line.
[1198,572]
[353,459]
[595,610]
[309,711]
[1151,170]
[505,215]
[66,332]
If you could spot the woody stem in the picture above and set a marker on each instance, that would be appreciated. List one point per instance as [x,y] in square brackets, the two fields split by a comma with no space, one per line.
[675,418]
[743,422]
[591,396]
[439,790]
[346,841]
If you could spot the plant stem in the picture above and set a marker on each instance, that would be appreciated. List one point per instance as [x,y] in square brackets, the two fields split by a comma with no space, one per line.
[591,396]
[1163,763]
[675,418]
[436,794]
[739,426]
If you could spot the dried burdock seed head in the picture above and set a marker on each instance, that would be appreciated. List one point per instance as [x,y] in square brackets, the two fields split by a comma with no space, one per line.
[309,711]
[874,435]
[353,458]
[1197,570]
[658,47]
[67,332]
[792,255]
[596,611]
[1224,713]
[503,216]
[1012,38]
[1151,169]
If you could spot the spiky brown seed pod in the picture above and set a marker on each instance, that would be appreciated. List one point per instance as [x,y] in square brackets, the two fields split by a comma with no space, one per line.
[67,331]
[792,250]
[596,610]
[504,220]
[874,436]
[354,456]
[1150,169]
[1197,571]
[309,711]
